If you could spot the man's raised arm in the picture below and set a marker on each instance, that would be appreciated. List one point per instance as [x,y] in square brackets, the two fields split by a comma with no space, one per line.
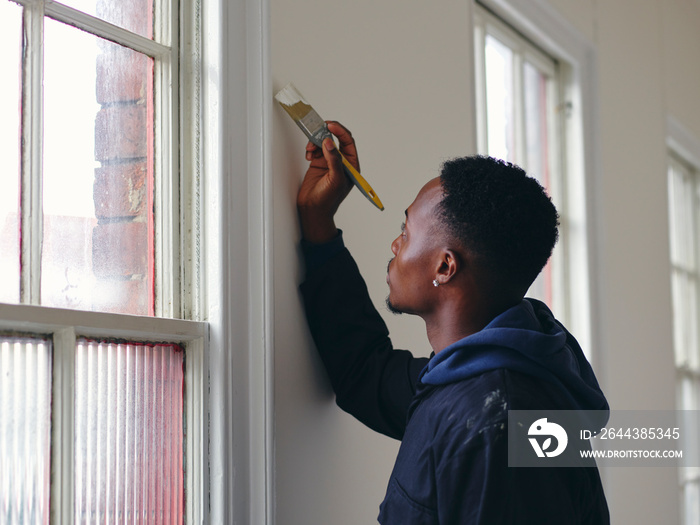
[372,381]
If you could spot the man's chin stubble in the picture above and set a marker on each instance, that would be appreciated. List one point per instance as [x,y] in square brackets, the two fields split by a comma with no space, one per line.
[391,307]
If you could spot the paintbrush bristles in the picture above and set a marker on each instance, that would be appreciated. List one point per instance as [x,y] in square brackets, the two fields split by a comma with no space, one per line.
[292,101]
[289,95]
[297,111]
[303,114]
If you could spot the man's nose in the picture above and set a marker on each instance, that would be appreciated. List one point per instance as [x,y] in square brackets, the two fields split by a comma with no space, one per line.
[395,245]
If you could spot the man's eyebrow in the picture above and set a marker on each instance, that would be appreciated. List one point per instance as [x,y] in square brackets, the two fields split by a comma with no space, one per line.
[405,212]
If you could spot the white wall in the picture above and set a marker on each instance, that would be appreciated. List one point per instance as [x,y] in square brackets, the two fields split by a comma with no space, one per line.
[399,74]
[635,301]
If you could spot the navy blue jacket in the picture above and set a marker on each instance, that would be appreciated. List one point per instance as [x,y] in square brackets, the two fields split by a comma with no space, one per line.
[450,411]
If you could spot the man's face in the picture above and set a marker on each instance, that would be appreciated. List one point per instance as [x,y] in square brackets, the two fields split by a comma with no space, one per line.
[411,272]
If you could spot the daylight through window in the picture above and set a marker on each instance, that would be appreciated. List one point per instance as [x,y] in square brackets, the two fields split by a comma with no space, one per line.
[517,102]
[101,344]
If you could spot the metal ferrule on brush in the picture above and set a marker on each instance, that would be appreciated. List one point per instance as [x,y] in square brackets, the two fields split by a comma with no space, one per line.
[314,127]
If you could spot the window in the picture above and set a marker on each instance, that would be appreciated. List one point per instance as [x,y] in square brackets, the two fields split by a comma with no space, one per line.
[87,208]
[684,217]
[100,339]
[518,108]
[25,407]
[128,431]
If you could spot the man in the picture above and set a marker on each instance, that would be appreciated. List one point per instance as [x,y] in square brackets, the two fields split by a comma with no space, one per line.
[473,241]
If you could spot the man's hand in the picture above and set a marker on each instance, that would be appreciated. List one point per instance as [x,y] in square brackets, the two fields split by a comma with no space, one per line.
[325,185]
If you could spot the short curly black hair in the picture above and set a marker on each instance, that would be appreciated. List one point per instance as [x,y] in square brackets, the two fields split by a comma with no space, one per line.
[503,217]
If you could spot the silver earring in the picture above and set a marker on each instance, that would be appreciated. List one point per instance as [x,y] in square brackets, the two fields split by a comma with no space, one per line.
[435,282]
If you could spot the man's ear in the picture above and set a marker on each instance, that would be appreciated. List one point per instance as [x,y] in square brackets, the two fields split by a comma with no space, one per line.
[450,264]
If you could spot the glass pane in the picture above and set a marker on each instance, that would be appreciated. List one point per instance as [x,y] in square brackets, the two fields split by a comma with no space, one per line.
[682,210]
[689,473]
[685,328]
[541,288]
[25,429]
[10,96]
[536,161]
[500,114]
[98,171]
[133,15]
[129,433]
[536,134]
[688,395]
[691,502]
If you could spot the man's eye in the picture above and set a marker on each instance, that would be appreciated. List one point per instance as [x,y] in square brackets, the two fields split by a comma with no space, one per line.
[403,229]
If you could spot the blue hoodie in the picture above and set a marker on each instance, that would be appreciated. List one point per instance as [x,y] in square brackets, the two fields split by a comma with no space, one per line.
[452,466]
[525,338]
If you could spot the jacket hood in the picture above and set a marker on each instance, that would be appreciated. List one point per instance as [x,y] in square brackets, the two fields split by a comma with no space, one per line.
[528,339]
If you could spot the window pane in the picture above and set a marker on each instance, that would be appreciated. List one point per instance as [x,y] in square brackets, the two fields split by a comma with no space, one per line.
[25,428]
[133,15]
[682,209]
[683,214]
[98,169]
[500,100]
[691,502]
[536,161]
[536,134]
[10,92]
[685,329]
[129,433]
[541,288]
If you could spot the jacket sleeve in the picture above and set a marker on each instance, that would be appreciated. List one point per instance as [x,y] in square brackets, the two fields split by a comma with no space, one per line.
[371,380]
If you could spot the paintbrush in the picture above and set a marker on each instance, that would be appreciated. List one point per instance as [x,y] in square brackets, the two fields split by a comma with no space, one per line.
[315,128]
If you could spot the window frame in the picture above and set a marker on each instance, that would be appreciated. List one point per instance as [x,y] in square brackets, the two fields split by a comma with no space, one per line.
[178,225]
[684,154]
[234,130]
[524,51]
[575,55]
[165,51]
[237,107]
[63,327]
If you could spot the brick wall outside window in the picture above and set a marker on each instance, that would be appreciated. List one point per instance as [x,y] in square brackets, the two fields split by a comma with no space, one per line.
[123,239]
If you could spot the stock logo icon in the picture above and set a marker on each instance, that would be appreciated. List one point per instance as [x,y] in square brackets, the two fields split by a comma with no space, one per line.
[540,435]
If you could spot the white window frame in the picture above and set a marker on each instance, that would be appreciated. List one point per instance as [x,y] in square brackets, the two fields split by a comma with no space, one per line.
[63,327]
[178,183]
[538,22]
[523,50]
[167,54]
[485,23]
[237,106]
[684,152]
